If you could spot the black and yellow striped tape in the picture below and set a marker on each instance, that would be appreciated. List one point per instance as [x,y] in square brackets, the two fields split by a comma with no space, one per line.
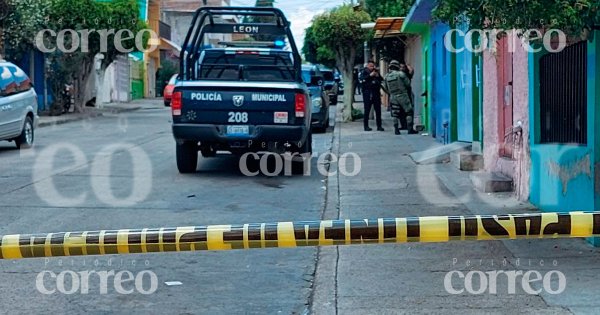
[305,233]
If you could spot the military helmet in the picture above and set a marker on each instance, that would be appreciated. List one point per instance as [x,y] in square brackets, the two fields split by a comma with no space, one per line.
[395,63]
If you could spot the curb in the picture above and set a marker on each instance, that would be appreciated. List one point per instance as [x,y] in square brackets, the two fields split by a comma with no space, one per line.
[323,299]
[66,120]
[94,114]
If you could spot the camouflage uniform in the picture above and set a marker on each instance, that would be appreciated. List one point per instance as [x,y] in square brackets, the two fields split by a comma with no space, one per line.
[397,85]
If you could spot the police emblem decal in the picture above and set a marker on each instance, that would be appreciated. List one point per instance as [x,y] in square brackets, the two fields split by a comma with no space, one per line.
[238,100]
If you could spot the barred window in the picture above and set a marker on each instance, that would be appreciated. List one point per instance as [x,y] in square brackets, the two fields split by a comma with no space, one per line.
[563,96]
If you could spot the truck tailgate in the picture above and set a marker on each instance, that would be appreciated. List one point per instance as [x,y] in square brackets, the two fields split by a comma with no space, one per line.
[247,106]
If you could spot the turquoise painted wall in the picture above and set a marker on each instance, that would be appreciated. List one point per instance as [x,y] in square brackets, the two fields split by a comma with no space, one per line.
[594,97]
[443,85]
[143,9]
[468,89]
[562,175]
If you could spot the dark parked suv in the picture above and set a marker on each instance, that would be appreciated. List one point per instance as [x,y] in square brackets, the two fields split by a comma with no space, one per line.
[331,84]
[319,98]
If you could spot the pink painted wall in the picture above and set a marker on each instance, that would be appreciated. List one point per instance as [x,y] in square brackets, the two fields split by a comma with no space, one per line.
[519,167]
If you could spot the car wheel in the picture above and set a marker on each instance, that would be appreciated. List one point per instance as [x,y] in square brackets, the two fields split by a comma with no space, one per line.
[25,139]
[334,100]
[307,146]
[187,157]
[299,166]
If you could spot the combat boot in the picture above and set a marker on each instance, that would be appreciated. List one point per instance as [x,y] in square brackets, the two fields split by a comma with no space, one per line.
[396,130]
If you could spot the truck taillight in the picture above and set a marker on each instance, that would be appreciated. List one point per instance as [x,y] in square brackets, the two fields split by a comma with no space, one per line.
[300,105]
[176,104]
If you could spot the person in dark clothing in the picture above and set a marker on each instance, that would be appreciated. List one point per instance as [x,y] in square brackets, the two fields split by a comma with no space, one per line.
[372,94]
[410,72]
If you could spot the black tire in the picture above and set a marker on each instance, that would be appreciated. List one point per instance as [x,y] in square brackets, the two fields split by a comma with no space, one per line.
[334,100]
[187,157]
[307,145]
[298,166]
[25,139]
[321,128]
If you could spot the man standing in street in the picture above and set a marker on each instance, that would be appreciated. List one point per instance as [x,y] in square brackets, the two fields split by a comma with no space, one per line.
[397,85]
[371,94]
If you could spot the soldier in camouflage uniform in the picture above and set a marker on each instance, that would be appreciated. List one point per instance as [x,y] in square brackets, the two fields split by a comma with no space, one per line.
[397,85]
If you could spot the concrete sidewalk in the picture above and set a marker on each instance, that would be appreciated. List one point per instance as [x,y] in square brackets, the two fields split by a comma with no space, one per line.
[103,109]
[409,278]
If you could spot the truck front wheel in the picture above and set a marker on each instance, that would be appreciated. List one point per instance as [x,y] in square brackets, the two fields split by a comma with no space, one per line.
[187,157]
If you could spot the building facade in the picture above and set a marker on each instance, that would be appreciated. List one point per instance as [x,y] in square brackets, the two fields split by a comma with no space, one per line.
[179,14]
[564,106]
[506,112]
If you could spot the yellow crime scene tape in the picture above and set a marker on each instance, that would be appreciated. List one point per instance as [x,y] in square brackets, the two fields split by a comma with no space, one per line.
[303,233]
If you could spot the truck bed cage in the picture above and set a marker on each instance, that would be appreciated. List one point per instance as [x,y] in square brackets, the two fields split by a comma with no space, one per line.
[205,21]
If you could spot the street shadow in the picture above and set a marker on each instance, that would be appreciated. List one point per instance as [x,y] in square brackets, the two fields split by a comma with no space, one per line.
[6,146]
[231,166]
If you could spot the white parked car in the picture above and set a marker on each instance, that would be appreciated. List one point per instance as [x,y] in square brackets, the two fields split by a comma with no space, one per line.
[18,106]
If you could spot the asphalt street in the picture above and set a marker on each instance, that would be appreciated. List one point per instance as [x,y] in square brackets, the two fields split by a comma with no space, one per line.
[118,171]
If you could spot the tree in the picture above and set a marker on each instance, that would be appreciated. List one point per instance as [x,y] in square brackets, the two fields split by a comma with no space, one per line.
[30,17]
[24,19]
[4,11]
[117,15]
[339,30]
[262,19]
[570,16]
[388,8]
[314,53]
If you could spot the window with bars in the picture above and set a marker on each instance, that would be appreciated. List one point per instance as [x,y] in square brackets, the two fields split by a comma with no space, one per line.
[563,96]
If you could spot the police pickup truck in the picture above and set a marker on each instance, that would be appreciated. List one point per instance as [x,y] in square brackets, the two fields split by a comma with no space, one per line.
[242,95]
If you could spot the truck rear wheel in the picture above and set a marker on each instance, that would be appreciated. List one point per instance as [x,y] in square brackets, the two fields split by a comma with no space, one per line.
[187,157]
[307,145]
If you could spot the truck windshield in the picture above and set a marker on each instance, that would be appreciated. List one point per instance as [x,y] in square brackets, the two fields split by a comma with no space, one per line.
[246,66]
